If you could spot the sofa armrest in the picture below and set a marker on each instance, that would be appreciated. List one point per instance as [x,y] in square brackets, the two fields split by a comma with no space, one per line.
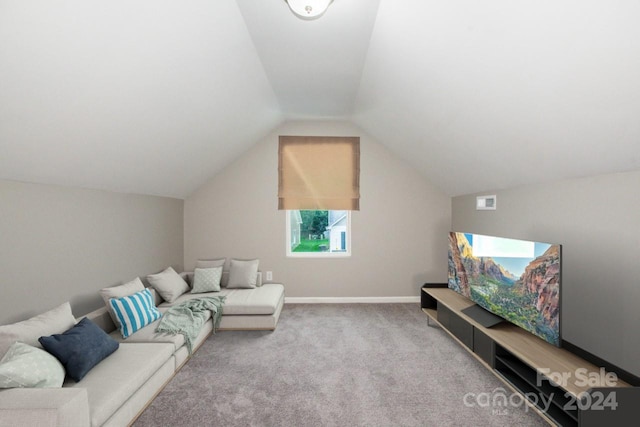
[46,407]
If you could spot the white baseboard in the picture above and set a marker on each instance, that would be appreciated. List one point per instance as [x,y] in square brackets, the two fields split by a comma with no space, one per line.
[349,300]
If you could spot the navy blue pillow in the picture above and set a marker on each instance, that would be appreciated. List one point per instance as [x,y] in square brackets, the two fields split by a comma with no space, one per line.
[80,348]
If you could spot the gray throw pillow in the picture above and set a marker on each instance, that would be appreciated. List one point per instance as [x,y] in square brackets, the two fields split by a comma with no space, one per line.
[243,274]
[206,280]
[168,284]
[120,291]
[210,263]
[54,321]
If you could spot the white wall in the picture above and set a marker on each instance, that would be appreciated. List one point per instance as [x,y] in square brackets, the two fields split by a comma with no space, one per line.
[398,236]
[597,221]
[62,244]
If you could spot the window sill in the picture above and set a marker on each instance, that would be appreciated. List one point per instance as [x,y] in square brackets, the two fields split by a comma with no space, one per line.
[318,254]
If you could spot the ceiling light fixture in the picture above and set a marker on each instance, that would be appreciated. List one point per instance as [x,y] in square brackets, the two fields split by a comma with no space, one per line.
[308,9]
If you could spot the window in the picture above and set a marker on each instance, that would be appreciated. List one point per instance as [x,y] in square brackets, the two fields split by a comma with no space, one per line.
[318,187]
[318,233]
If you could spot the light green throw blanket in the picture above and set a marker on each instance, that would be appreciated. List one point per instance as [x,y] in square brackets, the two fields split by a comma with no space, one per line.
[188,317]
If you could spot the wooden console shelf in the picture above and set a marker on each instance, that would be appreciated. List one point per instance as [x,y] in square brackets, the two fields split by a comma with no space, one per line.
[527,364]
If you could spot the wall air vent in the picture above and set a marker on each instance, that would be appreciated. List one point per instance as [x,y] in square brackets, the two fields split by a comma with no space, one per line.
[486,203]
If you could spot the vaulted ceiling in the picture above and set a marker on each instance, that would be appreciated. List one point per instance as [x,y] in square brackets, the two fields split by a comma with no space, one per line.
[156,96]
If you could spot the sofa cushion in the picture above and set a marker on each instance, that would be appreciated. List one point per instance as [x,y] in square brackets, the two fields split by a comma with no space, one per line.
[80,348]
[243,274]
[120,291]
[134,312]
[148,334]
[111,383]
[189,296]
[54,321]
[168,284]
[206,280]
[27,366]
[262,300]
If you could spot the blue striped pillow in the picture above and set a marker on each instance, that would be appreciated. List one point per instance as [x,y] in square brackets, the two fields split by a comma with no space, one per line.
[134,312]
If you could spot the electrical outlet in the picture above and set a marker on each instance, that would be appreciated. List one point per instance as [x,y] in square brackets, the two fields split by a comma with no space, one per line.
[269,275]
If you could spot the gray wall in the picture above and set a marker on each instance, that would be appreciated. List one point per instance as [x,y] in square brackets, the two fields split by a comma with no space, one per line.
[399,236]
[597,221]
[62,244]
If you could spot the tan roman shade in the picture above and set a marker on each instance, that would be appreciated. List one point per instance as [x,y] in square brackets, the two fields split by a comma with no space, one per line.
[318,172]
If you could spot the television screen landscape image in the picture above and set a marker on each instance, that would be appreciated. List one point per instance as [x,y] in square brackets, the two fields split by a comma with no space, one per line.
[517,280]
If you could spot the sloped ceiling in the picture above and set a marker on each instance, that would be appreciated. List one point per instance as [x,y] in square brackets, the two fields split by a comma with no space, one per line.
[313,66]
[482,95]
[155,97]
[143,96]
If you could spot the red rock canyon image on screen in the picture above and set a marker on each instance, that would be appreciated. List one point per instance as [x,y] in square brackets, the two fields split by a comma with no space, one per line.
[516,279]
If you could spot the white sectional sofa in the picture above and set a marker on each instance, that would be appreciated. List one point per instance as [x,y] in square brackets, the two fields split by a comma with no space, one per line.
[120,387]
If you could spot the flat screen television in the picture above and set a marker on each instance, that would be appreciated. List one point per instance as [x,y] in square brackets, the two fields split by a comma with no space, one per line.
[517,280]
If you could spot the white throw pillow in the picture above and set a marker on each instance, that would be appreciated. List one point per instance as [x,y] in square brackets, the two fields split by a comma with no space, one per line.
[213,263]
[120,291]
[243,274]
[25,366]
[54,321]
[206,280]
[168,284]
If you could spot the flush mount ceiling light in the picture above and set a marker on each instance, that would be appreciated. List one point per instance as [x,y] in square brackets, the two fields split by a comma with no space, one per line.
[308,9]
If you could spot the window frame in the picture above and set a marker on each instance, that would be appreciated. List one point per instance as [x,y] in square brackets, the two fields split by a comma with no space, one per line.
[328,254]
